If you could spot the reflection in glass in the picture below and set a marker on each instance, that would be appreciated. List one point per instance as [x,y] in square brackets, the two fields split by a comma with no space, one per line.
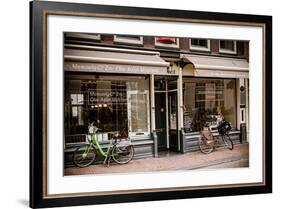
[173,111]
[208,101]
[114,103]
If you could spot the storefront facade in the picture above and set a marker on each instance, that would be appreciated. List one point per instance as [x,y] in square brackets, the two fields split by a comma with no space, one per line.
[158,99]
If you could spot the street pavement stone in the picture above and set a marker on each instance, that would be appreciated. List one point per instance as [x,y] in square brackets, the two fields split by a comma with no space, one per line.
[220,158]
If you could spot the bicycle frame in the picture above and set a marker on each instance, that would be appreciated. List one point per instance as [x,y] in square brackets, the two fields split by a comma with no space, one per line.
[94,142]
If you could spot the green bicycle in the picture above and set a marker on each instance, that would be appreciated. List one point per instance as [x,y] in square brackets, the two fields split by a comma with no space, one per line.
[120,150]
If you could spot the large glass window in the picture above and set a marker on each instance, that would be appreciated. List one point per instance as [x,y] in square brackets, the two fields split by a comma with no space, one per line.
[114,103]
[208,101]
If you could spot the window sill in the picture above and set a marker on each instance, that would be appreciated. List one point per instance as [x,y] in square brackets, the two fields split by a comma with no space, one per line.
[199,49]
[196,134]
[227,52]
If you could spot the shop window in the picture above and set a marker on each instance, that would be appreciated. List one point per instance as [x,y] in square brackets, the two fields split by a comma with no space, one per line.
[167,42]
[199,44]
[208,101]
[128,39]
[227,47]
[114,103]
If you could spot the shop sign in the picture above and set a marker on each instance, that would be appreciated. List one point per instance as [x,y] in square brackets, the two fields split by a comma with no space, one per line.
[117,68]
[101,97]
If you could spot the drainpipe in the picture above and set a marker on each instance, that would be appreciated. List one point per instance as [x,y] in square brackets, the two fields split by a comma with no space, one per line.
[180,105]
[167,115]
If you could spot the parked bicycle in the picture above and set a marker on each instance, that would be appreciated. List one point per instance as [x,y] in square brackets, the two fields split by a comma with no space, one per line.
[208,143]
[121,150]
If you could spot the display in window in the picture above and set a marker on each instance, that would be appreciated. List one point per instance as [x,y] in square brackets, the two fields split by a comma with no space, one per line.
[115,104]
[208,101]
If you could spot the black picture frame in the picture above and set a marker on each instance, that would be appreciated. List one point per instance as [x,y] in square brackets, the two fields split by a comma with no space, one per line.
[39,10]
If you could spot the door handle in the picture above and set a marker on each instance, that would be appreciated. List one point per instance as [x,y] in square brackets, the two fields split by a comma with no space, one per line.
[158,130]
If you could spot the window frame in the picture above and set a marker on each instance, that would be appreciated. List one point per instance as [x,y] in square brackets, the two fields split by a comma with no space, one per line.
[125,40]
[235,116]
[200,48]
[144,134]
[96,37]
[226,51]
[175,46]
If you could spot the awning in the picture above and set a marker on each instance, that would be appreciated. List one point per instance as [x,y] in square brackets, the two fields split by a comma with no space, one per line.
[208,66]
[110,60]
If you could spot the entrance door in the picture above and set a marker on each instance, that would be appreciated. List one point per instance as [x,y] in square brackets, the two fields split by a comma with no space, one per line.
[160,119]
[173,120]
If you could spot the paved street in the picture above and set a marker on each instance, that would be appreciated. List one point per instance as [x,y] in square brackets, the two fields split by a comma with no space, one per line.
[220,158]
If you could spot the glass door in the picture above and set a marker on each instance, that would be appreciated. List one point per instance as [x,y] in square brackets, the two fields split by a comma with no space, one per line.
[173,120]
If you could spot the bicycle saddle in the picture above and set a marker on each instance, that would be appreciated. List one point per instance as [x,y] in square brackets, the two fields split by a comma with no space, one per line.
[116,135]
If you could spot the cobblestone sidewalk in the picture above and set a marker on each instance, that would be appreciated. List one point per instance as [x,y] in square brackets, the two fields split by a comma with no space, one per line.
[220,158]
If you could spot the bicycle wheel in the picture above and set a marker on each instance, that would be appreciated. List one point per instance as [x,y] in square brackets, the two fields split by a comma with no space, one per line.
[84,156]
[122,154]
[227,142]
[204,146]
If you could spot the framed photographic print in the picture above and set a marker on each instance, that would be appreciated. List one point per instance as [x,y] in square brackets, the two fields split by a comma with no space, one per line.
[139,104]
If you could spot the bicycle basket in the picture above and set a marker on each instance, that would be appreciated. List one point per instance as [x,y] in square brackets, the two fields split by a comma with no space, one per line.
[124,143]
[224,127]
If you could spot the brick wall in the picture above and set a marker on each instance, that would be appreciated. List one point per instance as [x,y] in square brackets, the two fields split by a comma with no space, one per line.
[184,45]
[148,42]
[215,46]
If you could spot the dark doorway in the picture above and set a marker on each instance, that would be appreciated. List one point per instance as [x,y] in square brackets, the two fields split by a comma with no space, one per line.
[160,119]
